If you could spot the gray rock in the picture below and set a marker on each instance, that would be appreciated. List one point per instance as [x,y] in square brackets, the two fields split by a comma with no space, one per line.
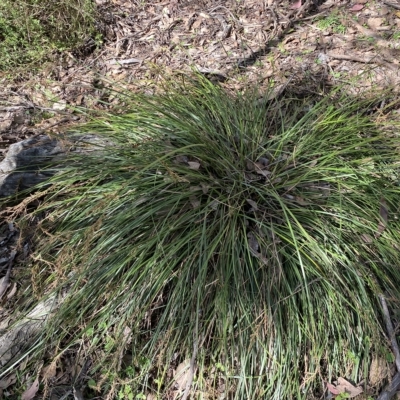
[23,164]
[21,167]
[21,334]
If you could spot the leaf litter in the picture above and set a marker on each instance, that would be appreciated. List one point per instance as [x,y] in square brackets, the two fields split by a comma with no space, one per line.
[30,393]
[343,386]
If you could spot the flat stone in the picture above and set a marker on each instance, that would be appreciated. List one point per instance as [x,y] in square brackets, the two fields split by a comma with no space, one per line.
[21,167]
[24,162]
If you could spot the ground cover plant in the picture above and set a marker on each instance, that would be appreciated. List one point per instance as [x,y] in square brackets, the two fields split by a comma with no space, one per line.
[247,235]
[31,29]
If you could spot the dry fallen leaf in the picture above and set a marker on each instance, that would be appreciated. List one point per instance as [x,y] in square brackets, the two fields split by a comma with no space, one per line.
[181,160]
[301,201]
[49,371]
[182,374]
[194,165]
[12,291]
[204,188]
[375,23]
[345,386]
[259,165]
[249,165]
[378,371]
[332,388]
[366,238]
[264,173]
[194,201]
[296,5]
[4,321]
[4,284]
[59,106]
[253,204]
[204,15]
[357,7]
[23,364]
[8,381]
[29,394]
[127,334]
[383,212]
[77,394]
[260,170]
[253,243]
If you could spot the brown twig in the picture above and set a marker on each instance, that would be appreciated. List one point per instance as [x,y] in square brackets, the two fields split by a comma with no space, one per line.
[61,121]
[372,60]
[191,370]
[390,331]
[394,5]
[351,58]
[392,388]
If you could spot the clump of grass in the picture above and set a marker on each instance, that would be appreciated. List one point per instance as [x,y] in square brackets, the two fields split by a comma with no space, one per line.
[31,29]
[245,233]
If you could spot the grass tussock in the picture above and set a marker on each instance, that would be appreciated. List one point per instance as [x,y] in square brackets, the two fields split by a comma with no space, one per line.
[251,233]
[31,29]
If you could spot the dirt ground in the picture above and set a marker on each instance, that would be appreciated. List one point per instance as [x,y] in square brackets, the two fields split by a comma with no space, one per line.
[235,42]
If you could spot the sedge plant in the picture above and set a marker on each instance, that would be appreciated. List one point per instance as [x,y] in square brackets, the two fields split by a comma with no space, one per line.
[251,236]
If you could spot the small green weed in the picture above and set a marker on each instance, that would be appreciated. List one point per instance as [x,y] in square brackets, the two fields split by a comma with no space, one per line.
[396,35]
[125,393]
[282,48]
[336,75]
[332,22]
[342,396]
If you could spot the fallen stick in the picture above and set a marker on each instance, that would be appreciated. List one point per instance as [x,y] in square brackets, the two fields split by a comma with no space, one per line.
[372,60]
[394,5]
[192,367]
[391,389]
[394,385]
[390,331]
[351,58]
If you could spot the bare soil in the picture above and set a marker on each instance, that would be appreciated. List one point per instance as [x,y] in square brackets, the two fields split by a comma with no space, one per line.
[235,42]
